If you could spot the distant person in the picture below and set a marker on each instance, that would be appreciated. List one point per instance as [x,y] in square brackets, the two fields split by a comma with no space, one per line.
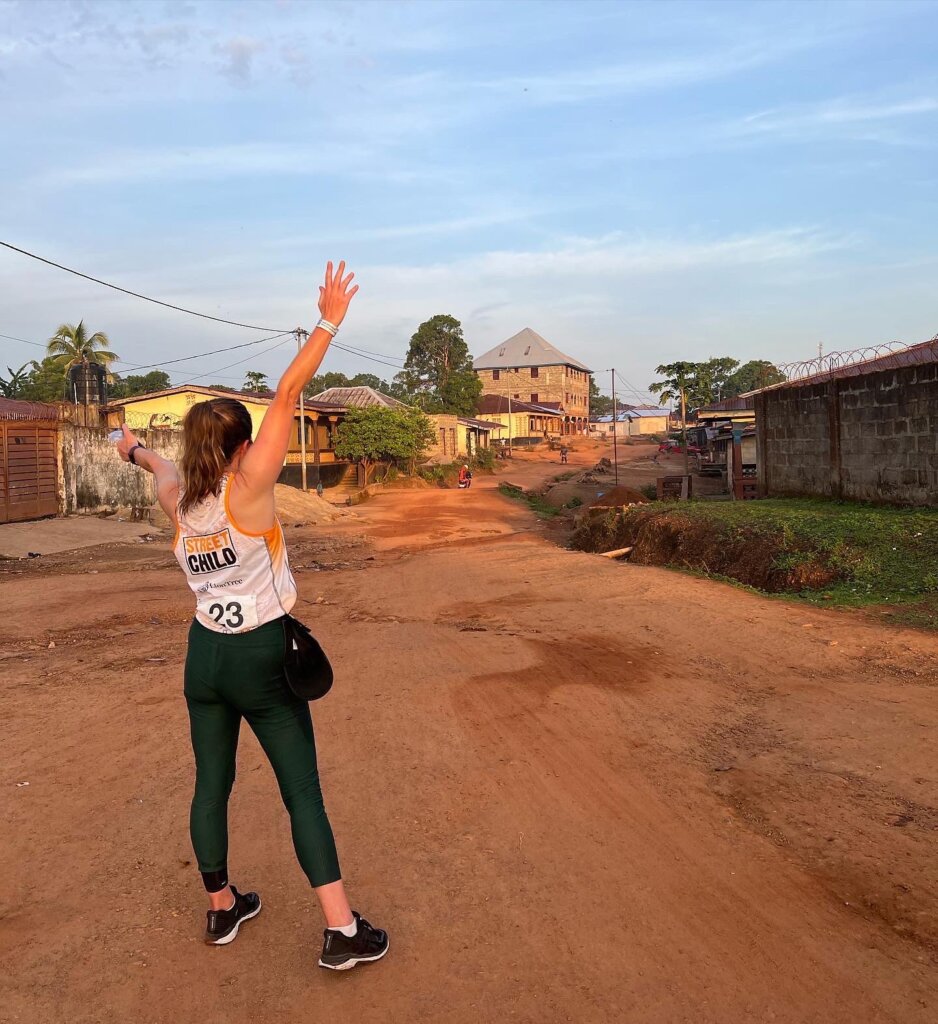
[465,478]
[564,452]
[231,548]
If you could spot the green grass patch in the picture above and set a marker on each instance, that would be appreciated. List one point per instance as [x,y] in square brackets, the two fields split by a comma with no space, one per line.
[880,554]
[538,504]
[825,552]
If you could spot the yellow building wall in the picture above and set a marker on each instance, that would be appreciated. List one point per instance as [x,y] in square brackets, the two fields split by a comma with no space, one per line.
[521,424]
[647,425]
[169,410]
[561,384]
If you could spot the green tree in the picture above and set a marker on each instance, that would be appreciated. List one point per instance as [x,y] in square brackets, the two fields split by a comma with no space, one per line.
[12,386]
[757,373]
[254,380]
[138,384]
[712,380]
[379,434]
[46,381]
[438,368]
[72,344]
[677,380]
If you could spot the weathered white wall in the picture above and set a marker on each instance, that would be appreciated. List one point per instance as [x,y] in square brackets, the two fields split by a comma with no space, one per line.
[92,476]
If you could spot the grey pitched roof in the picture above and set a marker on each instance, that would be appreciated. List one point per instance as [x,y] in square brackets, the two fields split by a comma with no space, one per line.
[526,348]
[358,398]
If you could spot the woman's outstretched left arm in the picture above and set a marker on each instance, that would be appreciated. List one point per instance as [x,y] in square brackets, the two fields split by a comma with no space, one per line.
[167,476]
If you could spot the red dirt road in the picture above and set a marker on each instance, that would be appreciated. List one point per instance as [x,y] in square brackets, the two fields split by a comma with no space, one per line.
[572,790]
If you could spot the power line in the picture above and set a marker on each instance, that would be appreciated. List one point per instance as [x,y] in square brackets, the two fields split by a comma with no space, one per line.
[137,295]
[238,362]
[10,337]
[201,355]
[361,355]
[644,395]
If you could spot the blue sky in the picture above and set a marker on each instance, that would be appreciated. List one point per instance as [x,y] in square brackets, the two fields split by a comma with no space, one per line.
[637,182]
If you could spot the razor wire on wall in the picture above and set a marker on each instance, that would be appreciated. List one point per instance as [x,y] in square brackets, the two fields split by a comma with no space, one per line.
[832,361]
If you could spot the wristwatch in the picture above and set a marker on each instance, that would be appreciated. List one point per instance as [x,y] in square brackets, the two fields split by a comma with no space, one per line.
[130,455]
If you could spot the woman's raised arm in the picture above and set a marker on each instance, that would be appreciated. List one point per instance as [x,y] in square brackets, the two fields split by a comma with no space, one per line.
[263,461]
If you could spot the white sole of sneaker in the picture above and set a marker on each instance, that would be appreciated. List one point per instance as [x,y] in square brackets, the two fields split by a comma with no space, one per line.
[233,934]
[349,964]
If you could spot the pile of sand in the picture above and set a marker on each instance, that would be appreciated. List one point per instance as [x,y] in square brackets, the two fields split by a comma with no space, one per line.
[615,497]
[294,508]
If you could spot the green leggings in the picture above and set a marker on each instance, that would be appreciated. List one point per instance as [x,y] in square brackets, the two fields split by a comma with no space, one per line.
[230,676]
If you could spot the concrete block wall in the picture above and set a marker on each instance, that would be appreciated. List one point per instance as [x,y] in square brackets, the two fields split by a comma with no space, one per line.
[794,441]
[889,435]
[93,478]
[870,438]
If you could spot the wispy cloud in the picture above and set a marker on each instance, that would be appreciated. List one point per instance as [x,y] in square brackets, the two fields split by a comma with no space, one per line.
[852,116]
[200,163]
[593,83]
[617,255]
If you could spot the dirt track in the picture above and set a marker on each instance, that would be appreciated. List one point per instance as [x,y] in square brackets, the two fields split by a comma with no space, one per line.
[572,790]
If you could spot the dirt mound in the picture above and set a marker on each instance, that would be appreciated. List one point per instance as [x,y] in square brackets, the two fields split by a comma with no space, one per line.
[296,508]
[615,497]
[758,559]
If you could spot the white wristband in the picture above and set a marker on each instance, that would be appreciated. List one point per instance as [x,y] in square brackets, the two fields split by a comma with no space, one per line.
[328,327]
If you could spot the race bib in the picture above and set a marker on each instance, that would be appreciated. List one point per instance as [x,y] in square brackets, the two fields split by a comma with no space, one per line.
[228,613]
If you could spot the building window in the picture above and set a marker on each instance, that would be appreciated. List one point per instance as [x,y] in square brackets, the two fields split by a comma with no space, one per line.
[495,374]
[516,396]
[534,371]
[534,397]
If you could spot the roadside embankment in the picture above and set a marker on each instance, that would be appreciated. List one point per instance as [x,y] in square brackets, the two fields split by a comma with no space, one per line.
[838,552]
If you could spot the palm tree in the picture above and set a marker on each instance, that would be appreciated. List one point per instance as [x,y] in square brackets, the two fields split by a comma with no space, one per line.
[70,345]
[679,378]
[17,381]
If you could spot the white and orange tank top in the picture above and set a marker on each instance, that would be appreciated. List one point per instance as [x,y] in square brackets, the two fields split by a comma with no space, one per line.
[241,580]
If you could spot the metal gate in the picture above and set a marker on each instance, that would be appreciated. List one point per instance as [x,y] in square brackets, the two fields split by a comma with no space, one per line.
[28,471]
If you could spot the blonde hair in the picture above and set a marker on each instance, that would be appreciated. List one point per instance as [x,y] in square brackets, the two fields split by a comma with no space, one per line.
[211,433]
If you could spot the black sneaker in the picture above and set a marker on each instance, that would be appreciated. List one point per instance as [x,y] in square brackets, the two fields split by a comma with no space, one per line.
[223,925]
[339,952]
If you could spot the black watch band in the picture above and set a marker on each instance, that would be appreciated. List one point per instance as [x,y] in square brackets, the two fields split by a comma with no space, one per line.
[131,456]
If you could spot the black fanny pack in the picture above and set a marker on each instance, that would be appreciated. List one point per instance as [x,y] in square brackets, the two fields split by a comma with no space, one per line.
[308,672]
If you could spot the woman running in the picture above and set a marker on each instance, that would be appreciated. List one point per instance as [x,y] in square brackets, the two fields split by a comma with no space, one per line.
[231,548]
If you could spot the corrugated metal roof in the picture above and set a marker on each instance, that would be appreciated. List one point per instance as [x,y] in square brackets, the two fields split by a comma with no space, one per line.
[470,421]
[358,398]
[633,414]
[12,409]
[257,397]
[492,404]
[738,404]
[526,348]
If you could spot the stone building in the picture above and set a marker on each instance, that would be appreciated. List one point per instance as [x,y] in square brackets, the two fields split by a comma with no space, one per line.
[527,368]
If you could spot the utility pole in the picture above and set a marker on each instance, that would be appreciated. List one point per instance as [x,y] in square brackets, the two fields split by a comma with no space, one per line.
[615,440]
[684,430]
[509,421]
[301,337]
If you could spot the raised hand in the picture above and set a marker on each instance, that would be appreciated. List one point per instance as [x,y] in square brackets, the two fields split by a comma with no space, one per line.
[335,294]
[126,443]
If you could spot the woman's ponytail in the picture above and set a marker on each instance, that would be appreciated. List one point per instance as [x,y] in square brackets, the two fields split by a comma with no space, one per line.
[211,433]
